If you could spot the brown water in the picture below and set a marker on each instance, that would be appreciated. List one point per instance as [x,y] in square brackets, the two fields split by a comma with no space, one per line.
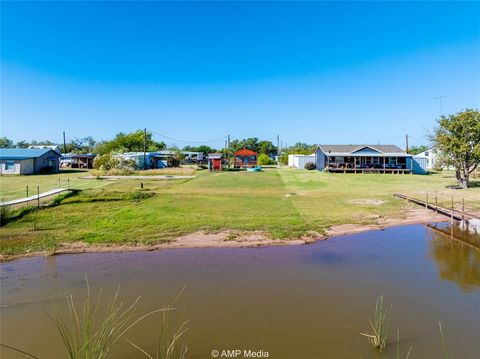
[293,302]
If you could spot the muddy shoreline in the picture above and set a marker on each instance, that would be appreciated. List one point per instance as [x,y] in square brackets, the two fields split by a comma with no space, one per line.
[239,239]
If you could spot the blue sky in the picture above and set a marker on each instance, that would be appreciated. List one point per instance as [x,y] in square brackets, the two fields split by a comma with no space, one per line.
[325,72]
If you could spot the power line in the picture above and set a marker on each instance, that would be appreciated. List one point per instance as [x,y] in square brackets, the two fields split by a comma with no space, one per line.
[186,141]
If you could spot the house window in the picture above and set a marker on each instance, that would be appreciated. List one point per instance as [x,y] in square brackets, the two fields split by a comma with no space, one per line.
[426,154]
[10,166]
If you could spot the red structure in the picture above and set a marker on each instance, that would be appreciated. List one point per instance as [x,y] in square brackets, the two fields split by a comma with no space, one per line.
[215,162]
[245,158]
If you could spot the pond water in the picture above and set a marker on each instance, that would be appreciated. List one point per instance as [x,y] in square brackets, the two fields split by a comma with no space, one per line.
[309,301]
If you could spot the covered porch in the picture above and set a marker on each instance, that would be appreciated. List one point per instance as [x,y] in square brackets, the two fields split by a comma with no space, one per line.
[369,164]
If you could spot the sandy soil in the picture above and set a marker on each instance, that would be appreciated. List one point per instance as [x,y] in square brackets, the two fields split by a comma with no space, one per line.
[230,239]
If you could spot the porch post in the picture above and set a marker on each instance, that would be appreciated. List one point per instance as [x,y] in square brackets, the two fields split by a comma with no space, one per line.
[383,164]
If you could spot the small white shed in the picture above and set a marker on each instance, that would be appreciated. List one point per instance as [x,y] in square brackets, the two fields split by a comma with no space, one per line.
[299,161]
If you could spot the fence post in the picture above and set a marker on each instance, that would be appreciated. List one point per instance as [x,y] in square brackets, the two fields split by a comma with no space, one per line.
[68,183]
[27,190]
[38,196]
[436,202]
[463,209]
[59,183]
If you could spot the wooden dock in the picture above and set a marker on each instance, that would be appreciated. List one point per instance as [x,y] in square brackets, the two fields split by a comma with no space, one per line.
[36,197]
[452,213]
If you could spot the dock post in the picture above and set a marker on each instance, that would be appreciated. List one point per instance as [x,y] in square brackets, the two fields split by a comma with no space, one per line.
[68,183]
[27,194]
[59,183]
[436,202]
[38,196]
[463,209]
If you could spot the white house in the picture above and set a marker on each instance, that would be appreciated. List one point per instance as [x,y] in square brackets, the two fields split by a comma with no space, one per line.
[432,155]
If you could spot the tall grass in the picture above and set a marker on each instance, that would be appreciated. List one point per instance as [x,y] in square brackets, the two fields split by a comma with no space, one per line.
[379,327]
[90,332]
[398,347]
[6,214]
[168,344]
[445,353]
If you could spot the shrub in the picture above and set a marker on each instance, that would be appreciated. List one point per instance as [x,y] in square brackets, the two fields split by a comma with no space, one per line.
[173,162]
[106,162]
[310,166]
[264,160]
[6,213]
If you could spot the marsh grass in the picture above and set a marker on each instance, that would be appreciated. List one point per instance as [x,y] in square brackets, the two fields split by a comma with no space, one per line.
[168,344]
[379,327]
[398,347]
[90,331]
[444,346]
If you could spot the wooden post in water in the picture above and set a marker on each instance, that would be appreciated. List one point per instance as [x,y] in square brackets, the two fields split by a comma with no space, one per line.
[38,196]
[451,218]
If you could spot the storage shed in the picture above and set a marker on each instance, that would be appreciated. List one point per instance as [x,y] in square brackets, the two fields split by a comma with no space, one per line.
[28,161]
[215,161]
[299,161]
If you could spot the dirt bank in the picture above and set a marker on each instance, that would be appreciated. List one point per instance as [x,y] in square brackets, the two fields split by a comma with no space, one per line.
[230,238]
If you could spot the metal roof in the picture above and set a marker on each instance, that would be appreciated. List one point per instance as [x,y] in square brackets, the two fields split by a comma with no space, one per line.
[215,155]
[346,150]
[24,153]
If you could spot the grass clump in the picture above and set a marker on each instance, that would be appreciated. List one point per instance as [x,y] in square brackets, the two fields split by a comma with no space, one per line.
[379,327]
[90,332]
[6,214]
[139,195]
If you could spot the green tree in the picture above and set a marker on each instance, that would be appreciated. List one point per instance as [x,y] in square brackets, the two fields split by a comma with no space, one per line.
[415,150]
[130,142]
[267,148]
[264,160]
[203,148]
[301,148]
[458,138]
[5,143]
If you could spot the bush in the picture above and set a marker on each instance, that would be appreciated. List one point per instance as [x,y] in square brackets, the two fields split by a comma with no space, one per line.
[106,162]
[264,160]
[310,166]
[6,214]
[173,162]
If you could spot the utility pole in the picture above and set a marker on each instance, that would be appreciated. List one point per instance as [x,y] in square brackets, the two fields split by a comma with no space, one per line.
[440,99]
[145,149]
[280,157]
[64,143]
[406,143]
[228,150]
[278,148]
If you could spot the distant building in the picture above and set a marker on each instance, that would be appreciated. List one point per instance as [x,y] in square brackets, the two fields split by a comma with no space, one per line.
[366,159]
[77,160]
[433,158]
[52,147]
[245,158]
[299,161]
[157,159]
[215,162]
[28,161]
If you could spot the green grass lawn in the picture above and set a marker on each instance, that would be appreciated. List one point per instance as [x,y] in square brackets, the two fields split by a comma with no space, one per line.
[285,203]
[13,187]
